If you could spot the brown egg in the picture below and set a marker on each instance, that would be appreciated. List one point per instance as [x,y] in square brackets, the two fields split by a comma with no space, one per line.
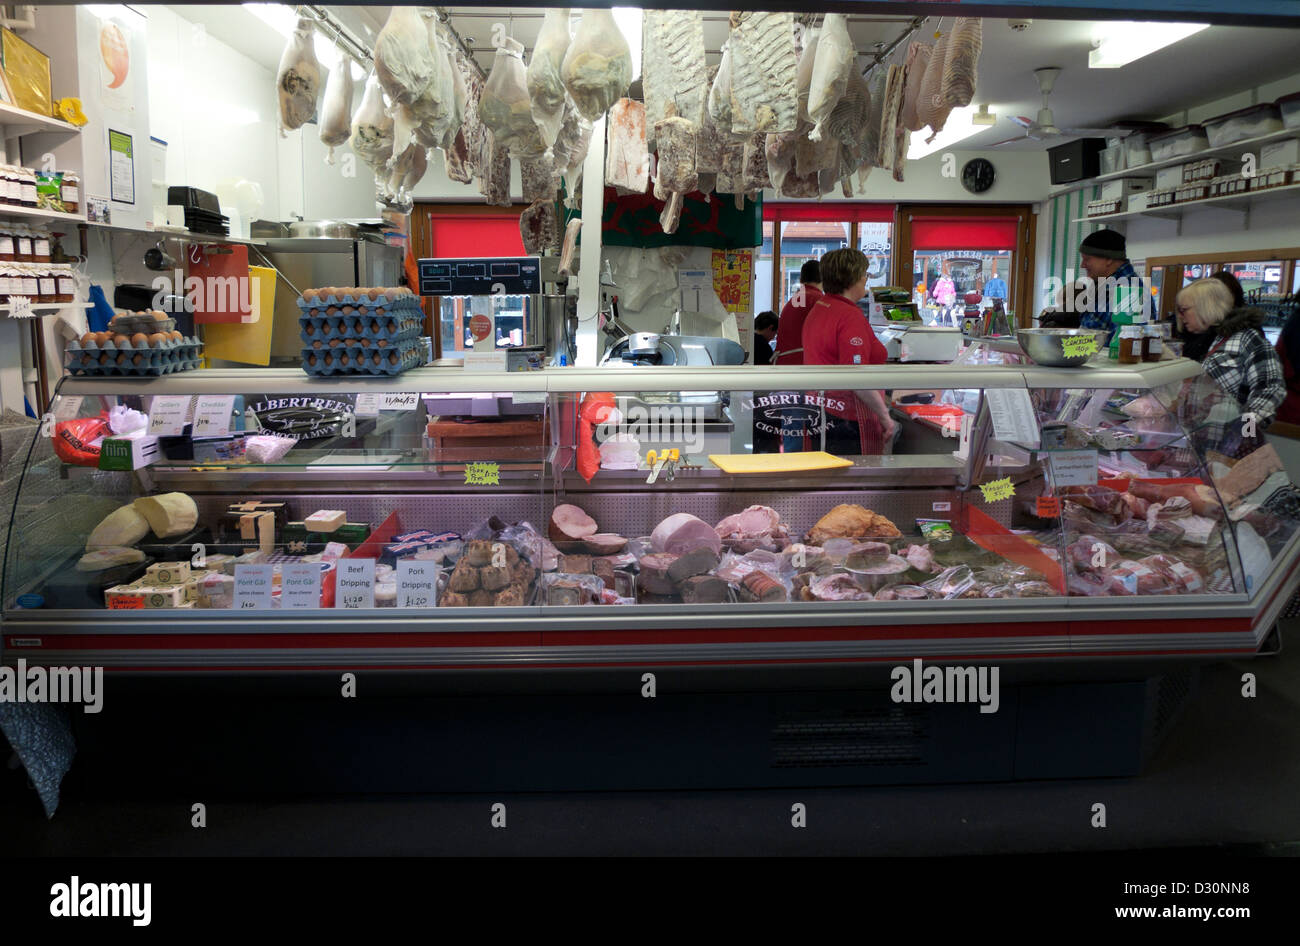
[335,342]
[176,336]
[138,360]
[392,326]
[348,310]
[159,316]
[106,359]
[87,359]
[309,295]
[392,357]
[365,343]
[379,311]
[344,359]
[326,328]
[87,339]
[332,310]
[139,339]
[121,359]
[329,359]
[317,344]
[308,328]
[382,343]
[156,339]
[120,340]
[376,359]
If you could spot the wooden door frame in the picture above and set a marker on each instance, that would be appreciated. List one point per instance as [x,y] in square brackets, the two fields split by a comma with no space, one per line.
[1022,279]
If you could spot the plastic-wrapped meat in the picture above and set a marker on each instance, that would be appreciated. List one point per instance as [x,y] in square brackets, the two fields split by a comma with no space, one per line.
[297,81]
[830,73]
[1108,504]
[372,128]
[918,56]
[849,117]
[889,117]
[838,587]
[456,160]
[1184,579]
[811,157]
[537,173]
[539,228]
[764,96]
[780,153]
[405,62]
[336,110]
[677,142]
[959,70]
[803,75]
[719,101]
[1128,577]
[1086,549]
[673,70]
[871,134]
[454,78]
[494,184]
[545,85]
[627,162]
[571,148]
[901,134]
[754,176]
[597,67]
[568,252]
[930,107]
[504,107]
[1138,507]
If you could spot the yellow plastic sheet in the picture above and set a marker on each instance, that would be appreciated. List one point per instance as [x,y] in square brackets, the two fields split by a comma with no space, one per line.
[246,342]
[777,462]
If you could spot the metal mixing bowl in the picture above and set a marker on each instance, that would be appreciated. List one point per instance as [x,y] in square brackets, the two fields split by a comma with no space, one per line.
[1045,345]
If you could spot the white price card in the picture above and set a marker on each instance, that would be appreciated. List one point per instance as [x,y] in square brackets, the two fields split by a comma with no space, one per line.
[69,407]
[528,397]
[253,587]
[300,586]
[168,414]
[354,583]
[1073,467]
[20,307]
[407,401]
[367,405]
[417,584]
[212,415]
[689,280]
[485,361]
[1013,416]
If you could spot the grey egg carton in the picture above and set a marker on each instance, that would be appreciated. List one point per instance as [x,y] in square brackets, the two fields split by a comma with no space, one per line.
[168,358]
[390,327]
[133,323]
[354,359]
[384,299]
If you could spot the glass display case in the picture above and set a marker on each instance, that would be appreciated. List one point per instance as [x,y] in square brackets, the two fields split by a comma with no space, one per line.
[586,517]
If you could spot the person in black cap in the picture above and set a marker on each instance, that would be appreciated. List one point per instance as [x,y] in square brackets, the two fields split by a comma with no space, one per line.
[1104,256]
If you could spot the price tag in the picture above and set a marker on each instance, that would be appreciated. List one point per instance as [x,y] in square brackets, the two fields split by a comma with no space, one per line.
[399,402]
[483,474]
[212,415]
[1049,507]
[417,584]
[354,583]
[1079,346]
[167,415]
[69,407]
[528,397]
[20,307]
[485,361]
[998,489]
[1013,415]
[253,587]
[367,405]
[1073,467]
[126,603]
[300,586]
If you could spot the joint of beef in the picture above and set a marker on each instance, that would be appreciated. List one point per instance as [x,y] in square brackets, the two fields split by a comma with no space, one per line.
[695,562]
[760,586]
[653,575]
[704,589]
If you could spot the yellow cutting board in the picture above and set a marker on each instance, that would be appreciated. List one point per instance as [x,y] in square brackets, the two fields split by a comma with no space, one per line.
[246,342]
[777,462]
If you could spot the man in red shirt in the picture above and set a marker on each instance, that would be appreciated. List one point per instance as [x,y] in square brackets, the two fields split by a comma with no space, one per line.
[836,332]
[789,327]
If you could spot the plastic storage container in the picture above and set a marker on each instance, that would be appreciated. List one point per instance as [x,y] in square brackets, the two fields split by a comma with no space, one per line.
[1243,124]
[1179,143]
[1137,149]
[1289,107]
[1112,158]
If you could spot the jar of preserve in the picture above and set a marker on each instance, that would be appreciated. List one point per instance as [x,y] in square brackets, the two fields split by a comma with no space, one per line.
[40,245]
[10,186]
[6,242]
[1130,344]
[22,244]
[1153,343]
[45,286]
[31,287]
[4,284]
[65,285]
[27,179]
[72,192]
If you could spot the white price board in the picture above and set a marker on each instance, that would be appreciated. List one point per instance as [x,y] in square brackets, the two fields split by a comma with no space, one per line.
[417,584]
[300,586]
[1013,415]
[168,414]
[69,407]
[253,587]
[367,405]
[485,361]
[212,415]
[407,401]
[354,583]
[1073,467]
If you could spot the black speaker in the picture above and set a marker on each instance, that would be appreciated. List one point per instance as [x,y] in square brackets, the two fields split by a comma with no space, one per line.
[1076,161]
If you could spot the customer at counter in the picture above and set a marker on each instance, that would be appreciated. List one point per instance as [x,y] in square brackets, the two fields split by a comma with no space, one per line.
[1196,345]
[789,331]
[1104,258]
[837,333]
[765,326]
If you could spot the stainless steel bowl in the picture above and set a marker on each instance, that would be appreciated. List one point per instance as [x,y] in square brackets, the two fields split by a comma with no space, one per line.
[1045,346]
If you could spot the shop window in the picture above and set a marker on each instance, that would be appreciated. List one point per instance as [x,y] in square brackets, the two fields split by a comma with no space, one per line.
[961,264]
[798,232]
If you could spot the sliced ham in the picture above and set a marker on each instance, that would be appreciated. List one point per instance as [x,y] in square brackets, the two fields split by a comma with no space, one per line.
[682,532]
[605,543]
[569,523]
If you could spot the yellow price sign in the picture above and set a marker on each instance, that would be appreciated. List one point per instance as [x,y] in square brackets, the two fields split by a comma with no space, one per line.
[483,474]
[1079,346]
[998,489]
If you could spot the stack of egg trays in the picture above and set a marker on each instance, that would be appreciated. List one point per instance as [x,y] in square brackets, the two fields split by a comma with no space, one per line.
[168,358]
[367,361]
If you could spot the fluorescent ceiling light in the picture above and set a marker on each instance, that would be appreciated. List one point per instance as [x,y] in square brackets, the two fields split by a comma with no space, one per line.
[958,128]
[628,20]
[1118,44]
[284,21]
[108,11]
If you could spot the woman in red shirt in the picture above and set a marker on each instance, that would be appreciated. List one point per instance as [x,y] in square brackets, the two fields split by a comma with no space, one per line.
[837,333]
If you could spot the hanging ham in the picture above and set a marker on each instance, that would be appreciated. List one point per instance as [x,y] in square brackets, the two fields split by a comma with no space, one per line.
[597,67]
[336,110]
[372,128]
[959,70]
[297,81]
[545,84]
[627,162]
[673,70]
[505,108]
[832,67]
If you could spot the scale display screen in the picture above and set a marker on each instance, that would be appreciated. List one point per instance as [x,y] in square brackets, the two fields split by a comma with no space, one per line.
[484,276]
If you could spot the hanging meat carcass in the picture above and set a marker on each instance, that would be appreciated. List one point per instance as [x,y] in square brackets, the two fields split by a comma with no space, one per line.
[336,108]
[871,134]
[918,57]
[505,108]
[539,228]
[459,93]
[372,128]
[545,84]
[959,69]
[673,70]
[832,67]
[675,172]
[719,101]
[597,67]
[900,130]
[889,117]
[494,173]
[297,81]
[571,149]
[537,174]
[764,95]
[627,161]
[405,62]
[930,107]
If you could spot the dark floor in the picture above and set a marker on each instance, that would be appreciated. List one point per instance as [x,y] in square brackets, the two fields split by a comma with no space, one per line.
[1226,779]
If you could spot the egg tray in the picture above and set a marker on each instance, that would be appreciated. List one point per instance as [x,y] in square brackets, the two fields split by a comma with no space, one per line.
[410,355]
[330,327]
[132,324]
[167,358]
[383,299]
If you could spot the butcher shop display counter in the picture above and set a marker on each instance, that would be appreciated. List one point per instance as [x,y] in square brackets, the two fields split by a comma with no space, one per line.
[241,520]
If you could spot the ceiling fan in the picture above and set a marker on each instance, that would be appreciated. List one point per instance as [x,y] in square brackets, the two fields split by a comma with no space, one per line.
[1044,126]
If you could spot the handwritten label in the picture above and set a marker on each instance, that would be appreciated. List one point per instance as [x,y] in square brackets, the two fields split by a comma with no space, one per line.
[355,583]
[1079,346]
[998,489]
[300,586]
[483,474]
[20,307]
[1013,415]
[253,587]
[1049,507]
[167,415]
[69,406]
[406,401]
[417,584]
[126,603]
[212,415]
[367,405]
[1073,467]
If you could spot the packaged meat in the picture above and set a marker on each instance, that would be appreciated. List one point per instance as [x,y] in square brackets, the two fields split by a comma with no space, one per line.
[571,590]
[952,582]
[919,56]
[405,63]
[838,587]
[673,68]
[627,162]
[1128,577]
[1088,553]
[545,86]
[597,66]
[336,108]
[504,107]
[961,62]
[831,69]
[764,96]
[297,81]
[930,106]
[760,586]
[575,564]
[851,521]
[1184,579]
[1106,504]
[902,593]
[570,148]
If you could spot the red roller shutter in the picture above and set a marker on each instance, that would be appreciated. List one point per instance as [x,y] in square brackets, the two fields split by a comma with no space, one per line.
[964,233]
[458,237]
[838,210]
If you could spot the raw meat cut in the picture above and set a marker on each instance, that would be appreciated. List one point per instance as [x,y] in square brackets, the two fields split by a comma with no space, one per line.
[372,128]
[753,175]
[921,558]
[900,130]
[673,70]
[597,67]
[705,589]
[505,108]
[719,103]
[653,575]
[459,101]
[336,112]
[537,173]
[889,118]
[683,532]
[866,555]
[757,527]
[494,183]
[570,148]
[851,521]
[539,228]
[570,246]
[1109,504]
[803,75]
[812,157]
[456,159]
[918,55]
[871,141]
[695,562]
[627,162]
[838,588]
[959,70]
[678,140]
[759,586]
[297,81]
[545,86]
[930,107]
[764,96]
[832,67]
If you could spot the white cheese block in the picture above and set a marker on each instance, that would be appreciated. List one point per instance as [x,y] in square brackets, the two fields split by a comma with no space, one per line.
[122,527]
[163,596]
[168,573]
[325,520]
[99,559]
[169,514]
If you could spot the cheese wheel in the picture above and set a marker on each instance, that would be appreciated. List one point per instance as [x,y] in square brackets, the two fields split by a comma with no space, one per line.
[123,526]
[169,514]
